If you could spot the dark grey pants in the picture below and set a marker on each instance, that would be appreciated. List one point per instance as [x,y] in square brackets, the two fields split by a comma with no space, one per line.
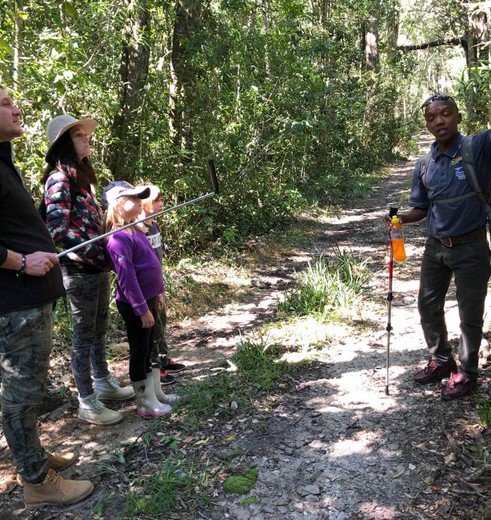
[469,264]
[25,346]
[89,302]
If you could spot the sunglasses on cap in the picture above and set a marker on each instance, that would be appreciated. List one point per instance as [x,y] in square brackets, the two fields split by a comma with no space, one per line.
[438,97]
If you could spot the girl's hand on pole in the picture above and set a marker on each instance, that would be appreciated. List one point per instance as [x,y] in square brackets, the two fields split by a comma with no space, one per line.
[148,320]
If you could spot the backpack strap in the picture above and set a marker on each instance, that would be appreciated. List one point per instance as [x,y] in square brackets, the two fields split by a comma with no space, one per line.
[423,167]
[453,199]
[470,173]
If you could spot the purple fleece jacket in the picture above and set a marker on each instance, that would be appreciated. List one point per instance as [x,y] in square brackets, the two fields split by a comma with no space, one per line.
[137,267]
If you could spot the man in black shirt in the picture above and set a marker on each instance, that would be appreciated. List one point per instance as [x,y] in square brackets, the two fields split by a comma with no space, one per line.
[30,281]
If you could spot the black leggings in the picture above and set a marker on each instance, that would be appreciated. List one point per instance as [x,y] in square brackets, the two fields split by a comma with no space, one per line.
[140,340]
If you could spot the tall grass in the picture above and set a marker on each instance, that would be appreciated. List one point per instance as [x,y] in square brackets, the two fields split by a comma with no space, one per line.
[329,283]
[258,365]
[255,365]
[484,412]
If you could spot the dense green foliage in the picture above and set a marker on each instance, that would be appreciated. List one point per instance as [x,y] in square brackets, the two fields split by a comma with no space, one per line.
[282,93]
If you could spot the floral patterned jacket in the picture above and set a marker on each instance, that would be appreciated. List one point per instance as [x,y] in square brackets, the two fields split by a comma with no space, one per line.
[72,222]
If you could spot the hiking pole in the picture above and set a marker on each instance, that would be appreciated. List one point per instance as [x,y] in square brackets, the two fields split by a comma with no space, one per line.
[392,211]
[216,191]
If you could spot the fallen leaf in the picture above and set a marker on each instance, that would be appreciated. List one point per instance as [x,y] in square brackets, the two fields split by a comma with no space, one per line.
[450,458]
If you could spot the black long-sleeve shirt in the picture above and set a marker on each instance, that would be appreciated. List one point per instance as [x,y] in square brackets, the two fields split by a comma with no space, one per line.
[22,230]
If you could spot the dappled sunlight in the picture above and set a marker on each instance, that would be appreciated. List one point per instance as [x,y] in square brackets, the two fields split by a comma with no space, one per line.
[300,258]
[376,511]
[306,333]
[297,357]
[368,401]
[350,447]
[344,219]
[233,319]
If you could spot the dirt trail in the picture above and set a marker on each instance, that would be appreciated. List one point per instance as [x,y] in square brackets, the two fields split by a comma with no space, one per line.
[336,447]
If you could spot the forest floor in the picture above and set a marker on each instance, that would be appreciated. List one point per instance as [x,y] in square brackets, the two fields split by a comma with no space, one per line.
[334,445]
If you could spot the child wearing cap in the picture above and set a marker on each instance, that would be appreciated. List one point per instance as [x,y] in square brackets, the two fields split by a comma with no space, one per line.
[161,362]
[139,291]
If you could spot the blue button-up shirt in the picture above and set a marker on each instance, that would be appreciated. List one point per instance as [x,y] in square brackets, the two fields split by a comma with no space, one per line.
[445,178]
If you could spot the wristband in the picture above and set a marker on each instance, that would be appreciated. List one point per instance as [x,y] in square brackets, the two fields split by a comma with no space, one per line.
[23,262]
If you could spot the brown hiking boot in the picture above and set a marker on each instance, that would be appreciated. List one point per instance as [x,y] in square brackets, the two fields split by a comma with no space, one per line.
[56,462]
[459,385]
[433,372]
[61,461]
[55,490]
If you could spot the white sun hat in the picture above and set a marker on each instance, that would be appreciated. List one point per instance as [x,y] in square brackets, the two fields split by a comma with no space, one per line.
[60,124]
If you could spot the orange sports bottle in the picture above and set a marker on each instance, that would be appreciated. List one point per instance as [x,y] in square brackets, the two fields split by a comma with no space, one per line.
[397,239]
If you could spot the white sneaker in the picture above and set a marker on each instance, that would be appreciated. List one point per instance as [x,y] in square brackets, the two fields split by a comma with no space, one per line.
[93,411]
[108,388]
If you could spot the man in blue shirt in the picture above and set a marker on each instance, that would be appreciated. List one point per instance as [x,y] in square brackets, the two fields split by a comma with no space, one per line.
[457,246]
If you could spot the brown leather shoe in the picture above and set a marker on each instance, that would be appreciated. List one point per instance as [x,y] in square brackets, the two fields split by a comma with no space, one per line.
[433,372]
[459,385]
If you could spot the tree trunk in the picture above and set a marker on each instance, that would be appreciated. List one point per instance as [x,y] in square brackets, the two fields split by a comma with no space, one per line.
[124,152]
[370,40]
[17,38]
[475,51]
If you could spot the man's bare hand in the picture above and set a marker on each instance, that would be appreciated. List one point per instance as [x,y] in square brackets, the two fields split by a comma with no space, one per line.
[40,263]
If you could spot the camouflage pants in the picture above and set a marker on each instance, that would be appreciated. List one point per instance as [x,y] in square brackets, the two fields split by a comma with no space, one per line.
[159,343]
[89,302]
[25,346]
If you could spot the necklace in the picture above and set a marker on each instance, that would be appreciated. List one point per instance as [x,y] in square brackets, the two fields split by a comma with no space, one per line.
[458,148]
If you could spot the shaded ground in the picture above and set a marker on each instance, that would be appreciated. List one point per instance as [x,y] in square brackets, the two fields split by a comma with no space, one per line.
[331,445]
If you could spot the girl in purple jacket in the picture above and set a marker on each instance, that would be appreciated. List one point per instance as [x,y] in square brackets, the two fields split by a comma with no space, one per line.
[140,289]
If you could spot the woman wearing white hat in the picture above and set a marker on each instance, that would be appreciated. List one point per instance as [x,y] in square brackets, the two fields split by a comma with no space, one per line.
[73,216]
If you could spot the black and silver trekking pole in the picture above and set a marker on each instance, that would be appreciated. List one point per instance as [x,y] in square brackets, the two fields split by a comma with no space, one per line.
[392,211]
[216,191]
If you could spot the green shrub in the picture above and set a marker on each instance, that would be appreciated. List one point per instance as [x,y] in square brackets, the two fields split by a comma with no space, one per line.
[328,284]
